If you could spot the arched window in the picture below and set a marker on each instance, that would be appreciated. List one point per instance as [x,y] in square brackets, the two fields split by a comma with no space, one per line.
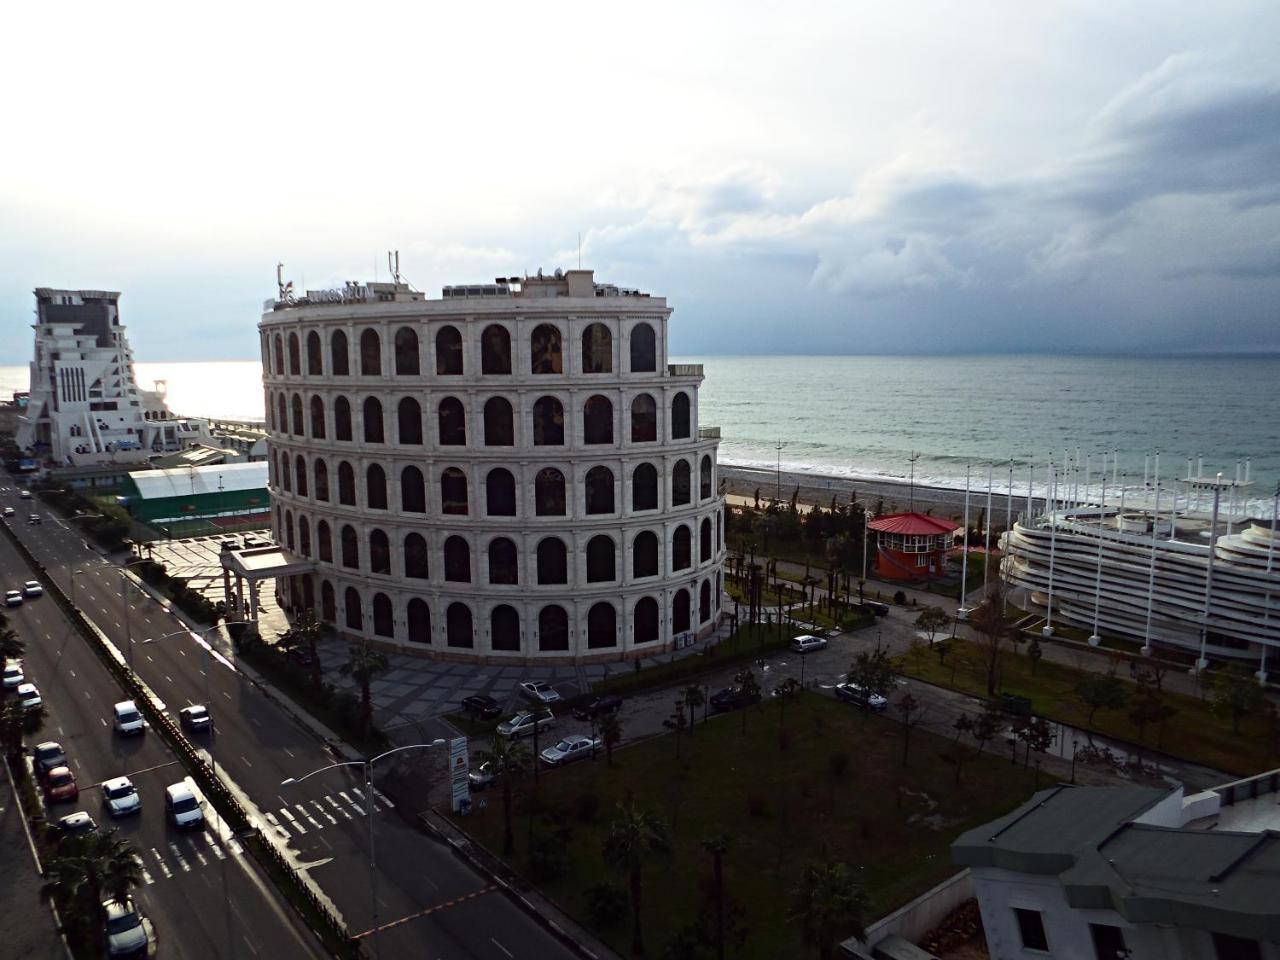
[458,625]
[644,555]
[370,353]
[295,356]
[383,625]
[317,418]
[548,493]
[279,344]
[304,536]
[375,487]
[681,548]
[719,535]
[406,343]
[379,552]
[680,416]
[342,418]
[499,426]
[409,421]
[340,359]
[413,491]
[644,349]
[704,602]
[553,561]
[548,422]
[282,413]
[553,628]
[350,547]
[644,487]
[328,603]
[448,352]
[419,616]
[315,366]
[602,626]
[644,419]
[296,406]
[288,529]
[457,560]
[504,628]
[284,474]
[680,612]
[599,487]
[453,492]
[704,540]
[544,350]
[644,620]
[324,544]
[704,479]
[504,567]
[495,350]
[453,423]
[346,484]
[597,420]
[322,481]
[415,557]
[597,349]
[300,475]
[680,483]
[373,420]
[351,600]
[601,560]
[500,493]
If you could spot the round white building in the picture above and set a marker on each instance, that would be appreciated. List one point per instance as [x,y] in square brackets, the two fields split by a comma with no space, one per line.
[511,472]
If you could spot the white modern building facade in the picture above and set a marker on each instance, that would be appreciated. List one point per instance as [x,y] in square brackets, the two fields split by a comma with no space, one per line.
[510,472]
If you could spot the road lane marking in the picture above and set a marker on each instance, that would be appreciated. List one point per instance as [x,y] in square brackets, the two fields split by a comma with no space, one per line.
[164,867]
[234,846]
[146,874]
[383,797]
[502,948]
[310,819]
[181,651]
[217,850]
[70,671]
[427,911]
[284,834]
[169,678]
[246,762]
[227,695]
[177,855]
[204,862]
[324,812]
[288,751]
[341,809]
[293,822]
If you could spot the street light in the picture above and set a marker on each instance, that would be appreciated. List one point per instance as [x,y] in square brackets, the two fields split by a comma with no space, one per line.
[77,572]
[1075,745]
[368,784]
[124,600]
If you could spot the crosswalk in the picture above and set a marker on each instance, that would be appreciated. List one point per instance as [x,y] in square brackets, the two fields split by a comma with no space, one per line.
[185,854]
[303,816]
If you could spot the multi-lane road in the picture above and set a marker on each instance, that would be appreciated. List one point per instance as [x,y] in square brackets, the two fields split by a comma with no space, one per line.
[429,904]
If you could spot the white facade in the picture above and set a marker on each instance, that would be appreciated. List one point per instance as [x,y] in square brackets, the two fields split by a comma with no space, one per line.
[512,472]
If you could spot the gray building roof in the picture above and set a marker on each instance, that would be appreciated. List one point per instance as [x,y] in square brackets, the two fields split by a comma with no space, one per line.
[186,481]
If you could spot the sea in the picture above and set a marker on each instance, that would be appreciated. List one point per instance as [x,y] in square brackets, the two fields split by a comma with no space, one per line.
[938,418]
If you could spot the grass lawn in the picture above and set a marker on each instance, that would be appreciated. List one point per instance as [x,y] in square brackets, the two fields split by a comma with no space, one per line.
[780,808]
[751,640]
[1195,733]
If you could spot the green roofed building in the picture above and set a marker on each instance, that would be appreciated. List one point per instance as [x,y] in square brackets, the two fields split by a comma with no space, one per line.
[187,500]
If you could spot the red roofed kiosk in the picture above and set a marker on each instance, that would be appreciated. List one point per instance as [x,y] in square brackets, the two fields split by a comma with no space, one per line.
[911,546]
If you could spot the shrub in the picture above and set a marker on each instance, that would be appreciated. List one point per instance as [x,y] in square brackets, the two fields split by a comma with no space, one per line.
[587,807]
[607,903]
[549,858]
[900,597]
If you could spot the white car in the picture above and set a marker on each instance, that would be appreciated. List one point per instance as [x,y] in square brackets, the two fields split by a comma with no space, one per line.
[13,675]
[29,696]
[24,494]
[569,749]
[126,929]
[127,721]
[13,598]
[183,807]
[9,511]
[521,725]
[120,798]
[195,717]
[32,588]
[539,690]
[805,643]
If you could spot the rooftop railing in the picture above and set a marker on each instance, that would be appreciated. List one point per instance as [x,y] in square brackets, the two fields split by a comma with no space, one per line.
[684,369]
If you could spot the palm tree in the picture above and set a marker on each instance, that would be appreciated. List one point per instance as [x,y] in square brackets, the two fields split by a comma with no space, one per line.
[11,648]
[610,734]
[827,899]
[718,846]
[509,759]
[305,633]
[364,664]
[16,722]
[634,837]
[89,869]
[693,698]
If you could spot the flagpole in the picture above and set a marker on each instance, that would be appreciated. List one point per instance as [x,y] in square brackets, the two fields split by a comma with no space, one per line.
[963,612]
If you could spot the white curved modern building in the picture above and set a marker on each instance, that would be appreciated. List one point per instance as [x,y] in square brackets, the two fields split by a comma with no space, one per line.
[511,472]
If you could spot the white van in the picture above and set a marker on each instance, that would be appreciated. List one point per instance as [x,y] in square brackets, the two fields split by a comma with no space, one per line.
[183,808]
[127,719]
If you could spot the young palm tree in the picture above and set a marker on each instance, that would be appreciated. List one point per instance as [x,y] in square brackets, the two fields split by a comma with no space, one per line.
[610,734]
[89,869]
[305,633]
[364,664]
[634,837]
[826,900]
[510,760]
[11,648]
[16,723]
[718,846]
[694,698]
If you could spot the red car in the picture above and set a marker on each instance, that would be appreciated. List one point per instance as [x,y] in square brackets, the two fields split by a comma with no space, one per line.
[60,785]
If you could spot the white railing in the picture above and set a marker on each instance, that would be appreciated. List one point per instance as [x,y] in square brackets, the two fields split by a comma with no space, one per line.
[684,369]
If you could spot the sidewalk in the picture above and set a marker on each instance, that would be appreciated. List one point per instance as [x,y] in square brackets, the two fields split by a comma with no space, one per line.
[30,930]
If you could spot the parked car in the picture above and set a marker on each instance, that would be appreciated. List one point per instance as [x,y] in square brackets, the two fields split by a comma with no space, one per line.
[127,721]
[24,494]
[806,642]
[120,798]
[13,598]
[9,511]
[34,518]
[597,707]
[482,776]
[539,690]
[126,932]
[876,607]
[481,707]
[195,718]
[182,806]
[48,755]
[731,698]
[32,588]
[29,696]
[853,693]
[76,824]
[521,725]
[13,675]
[60,786]
[569,749]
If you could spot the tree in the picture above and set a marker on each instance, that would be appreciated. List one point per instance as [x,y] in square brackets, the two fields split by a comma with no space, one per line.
[718,846]
[931,621]
[694,697]
[635,837]
[509,760]
[986,725]
[826,902]
[749,686]
[874,671]
[11,648]
[87,870]
[305,633]
[994,631]
[1099,692]
[1034,653]
[610,734]
[363,664]
[1235,694]
[15,723]
[912,712]
[788,689]
[677,723]
[1038,737]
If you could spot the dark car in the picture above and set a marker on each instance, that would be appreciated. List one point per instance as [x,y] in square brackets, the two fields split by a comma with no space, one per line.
[876,607]
[48,755]
[597,707]
[731,698]
[481,707]
[301,656]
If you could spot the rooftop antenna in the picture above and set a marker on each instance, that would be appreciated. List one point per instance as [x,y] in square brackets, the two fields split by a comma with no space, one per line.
[911,488]
[393,265]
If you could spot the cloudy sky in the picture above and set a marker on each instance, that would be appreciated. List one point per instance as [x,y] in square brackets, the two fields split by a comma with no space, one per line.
[796,178]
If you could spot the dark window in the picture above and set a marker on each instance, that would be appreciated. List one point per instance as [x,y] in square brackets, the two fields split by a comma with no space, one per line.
[448,352]
[355,619]
[288,529]
[340,359]
[644,555]
[680,612]
[373,420]
[350,547]
[644,419]
[499,426]
[544,350]
[548,493]
[324,546]
[279,356]
[328,603]
[458,625]
[680,416]
[548,422]
[413,491]
[284,474]
[644,620]
[553,628]
[597,420]
[599,487]
[601,560]
[419,621]
[453,423]
[342,418]
[553,561]
[300,475]
[415,557]
[504,628]
[304,536]
[322,481]
[704,540]
[409,421]
[597,349]
[375,487]
[719,536]
[379,552]
[644,487]
[1108,942]
[680,483]
[346,484]
[500,493]
[644,352]
[315,366]
[681,549]
[370,354]
[504,568]
[317,418]
[295,357]
[453,492]
[704,479]
[406,343]
[495,350]
[704,602]
[1031,929]
[296,406]
[602,626]
[457,560]
[383,625]
[1228,947]
[282,414]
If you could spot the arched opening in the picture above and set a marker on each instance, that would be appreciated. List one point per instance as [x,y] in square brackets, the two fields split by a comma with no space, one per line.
[339,354]
[448,352]
[355,618]
[544,350]
[317,418]
[453,492]
[304,536]
[644,349]
[346,484]
[322,481]
[370,353]
[680,416]
[553,628]
[413,491]
[282,413]
[704,602]
[504,567]
[597,420]
[383,622]
[458,625]
[680,612]
[415,557]
[644,555]
[457,560]
[495,350]
[328,603]
[500,493]
[644,620]
[315,365]
[324,544]
[373,420]
[681,548]
[504,628]
[601,560]
[284,474]
[453,423]
[644,419]
[597,349]
[350,547]
[602,626]
[279,352]
[680,484]
[406,344]
[296,406]
[288,529]
[419,617]
[295,356]
[548,493]
[704,479]
[379,552]
[704,540]
[499,423]
[548,422]
[409,421]
[599,490]
[553,561]
[300,475]
[375,487]
[342,418]
[644,487]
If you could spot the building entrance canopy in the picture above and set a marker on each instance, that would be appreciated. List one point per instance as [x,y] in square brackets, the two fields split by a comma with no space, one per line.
[252,565]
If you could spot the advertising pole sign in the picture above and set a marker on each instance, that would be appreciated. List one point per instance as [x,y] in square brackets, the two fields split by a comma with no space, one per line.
[459,773]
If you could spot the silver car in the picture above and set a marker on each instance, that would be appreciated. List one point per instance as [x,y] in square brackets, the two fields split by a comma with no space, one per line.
[571,748]
[522,724]
[120,797]
[13,675]
[29,696]
[126,929]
